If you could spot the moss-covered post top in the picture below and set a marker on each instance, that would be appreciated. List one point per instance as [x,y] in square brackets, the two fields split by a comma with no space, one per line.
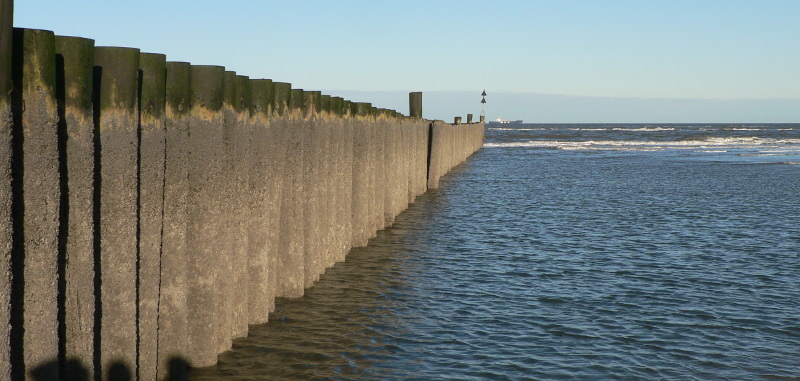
[311,103]
[415,104]
[242,98]
[178,90]
[77,56]
[208,87]
[281,97]
[325,103]
[6,15]
[296,101]
[261,96]
[153,66]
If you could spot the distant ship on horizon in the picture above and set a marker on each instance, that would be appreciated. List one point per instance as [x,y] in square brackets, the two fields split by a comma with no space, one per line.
[505,122]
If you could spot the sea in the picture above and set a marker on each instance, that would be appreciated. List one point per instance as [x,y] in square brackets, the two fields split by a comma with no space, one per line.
[566,252]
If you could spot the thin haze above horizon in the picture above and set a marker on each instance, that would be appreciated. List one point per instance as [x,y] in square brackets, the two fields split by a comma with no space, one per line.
[700,49]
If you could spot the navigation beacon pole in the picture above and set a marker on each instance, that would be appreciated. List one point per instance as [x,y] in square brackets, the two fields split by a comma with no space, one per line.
[483,106]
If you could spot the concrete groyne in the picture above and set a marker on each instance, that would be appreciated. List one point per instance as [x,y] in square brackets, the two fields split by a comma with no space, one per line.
[151,210]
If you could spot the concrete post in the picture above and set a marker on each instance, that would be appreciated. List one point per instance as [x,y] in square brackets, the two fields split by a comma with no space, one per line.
[172,317]
[360,200]
[261,235]
[225,242]
[205,155]
[240,168]
[36,199]
[469,118]
[342,178]
[329,207]
[75,62]
[6,118]
[346,176]
[291,249]
[151,202]
[415,104]
[287,122]
[372,145]
[457,120]
[118,124]
[311,184]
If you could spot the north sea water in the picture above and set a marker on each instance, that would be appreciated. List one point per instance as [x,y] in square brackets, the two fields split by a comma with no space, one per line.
[563,252]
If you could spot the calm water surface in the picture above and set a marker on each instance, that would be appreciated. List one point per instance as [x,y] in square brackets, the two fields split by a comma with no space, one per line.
[566,252]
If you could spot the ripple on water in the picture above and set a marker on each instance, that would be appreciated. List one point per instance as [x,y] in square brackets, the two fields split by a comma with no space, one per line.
[588,267]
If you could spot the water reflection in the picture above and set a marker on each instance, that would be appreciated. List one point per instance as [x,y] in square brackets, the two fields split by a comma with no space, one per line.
[339,329]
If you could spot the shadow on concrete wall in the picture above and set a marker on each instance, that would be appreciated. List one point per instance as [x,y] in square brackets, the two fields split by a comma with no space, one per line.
[74,370]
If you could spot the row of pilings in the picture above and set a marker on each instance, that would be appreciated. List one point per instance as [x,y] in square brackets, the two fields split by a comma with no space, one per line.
[150,211]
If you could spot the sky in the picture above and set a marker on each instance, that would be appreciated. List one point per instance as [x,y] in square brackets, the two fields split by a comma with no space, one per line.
[539,60]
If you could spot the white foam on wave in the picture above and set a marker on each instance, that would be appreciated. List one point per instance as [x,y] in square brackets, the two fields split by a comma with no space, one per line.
[717,144]
[517,129]
[645,129]
[639,129]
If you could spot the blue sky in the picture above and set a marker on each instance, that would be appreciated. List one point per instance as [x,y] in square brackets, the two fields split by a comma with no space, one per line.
[725,51]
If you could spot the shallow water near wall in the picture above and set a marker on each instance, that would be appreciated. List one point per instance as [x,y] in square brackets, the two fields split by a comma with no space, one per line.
[566,252]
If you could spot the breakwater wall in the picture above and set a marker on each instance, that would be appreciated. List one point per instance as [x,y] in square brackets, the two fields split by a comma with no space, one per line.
[150,211]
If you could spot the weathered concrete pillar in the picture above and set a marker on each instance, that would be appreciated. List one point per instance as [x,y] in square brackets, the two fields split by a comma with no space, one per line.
[343,136]
[205,156]
[287,109]
[151,201]
[225,243]
[6,121]
[312,212]
[469,118]
[415,104]
[373,148]
[118,124]
[329,207]
[437,153]
[264,191]
[239,147]
[391,172]
[75,62]
[172,308]
[35,203]
[360,200]
[293,195]
[378,170]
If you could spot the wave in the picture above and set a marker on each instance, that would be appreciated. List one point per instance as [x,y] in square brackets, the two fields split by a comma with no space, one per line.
[714,144]
[639,129]
[517,129]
